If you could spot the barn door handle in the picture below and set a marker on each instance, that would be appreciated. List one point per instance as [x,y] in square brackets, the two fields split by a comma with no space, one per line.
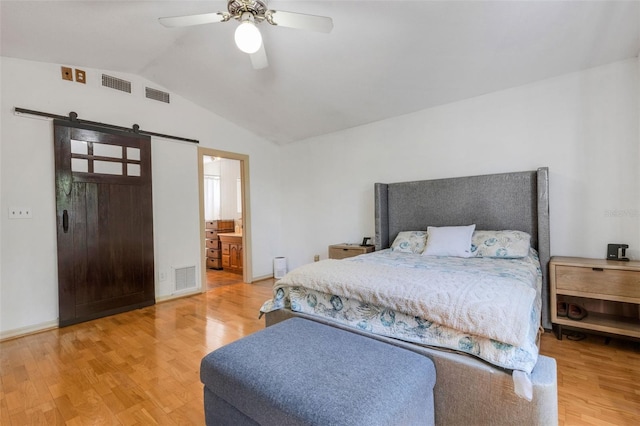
[65,221]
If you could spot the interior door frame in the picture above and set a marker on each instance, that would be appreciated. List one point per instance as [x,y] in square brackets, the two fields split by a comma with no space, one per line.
[247,271]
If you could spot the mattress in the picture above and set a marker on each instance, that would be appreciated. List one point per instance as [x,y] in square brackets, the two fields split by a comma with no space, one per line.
[485,307]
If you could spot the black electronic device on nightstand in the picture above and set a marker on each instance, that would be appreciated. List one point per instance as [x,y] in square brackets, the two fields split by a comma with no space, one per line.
[365,242]
[617,252]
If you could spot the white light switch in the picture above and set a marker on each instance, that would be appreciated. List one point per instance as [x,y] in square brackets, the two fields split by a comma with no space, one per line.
[20,213]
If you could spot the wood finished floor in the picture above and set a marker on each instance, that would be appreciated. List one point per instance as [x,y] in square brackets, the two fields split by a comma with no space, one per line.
[219,278]
[142,367]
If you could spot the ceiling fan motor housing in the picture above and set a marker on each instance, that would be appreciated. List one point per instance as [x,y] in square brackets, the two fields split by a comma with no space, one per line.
[238,7]
[248,13]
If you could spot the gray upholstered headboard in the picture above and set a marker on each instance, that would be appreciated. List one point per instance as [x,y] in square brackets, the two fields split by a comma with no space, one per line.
[518,201]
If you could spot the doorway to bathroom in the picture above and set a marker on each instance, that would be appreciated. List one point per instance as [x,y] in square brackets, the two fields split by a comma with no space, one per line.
[224,218]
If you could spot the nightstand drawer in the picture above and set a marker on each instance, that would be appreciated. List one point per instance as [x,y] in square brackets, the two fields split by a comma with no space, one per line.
[601,281]
[342,251]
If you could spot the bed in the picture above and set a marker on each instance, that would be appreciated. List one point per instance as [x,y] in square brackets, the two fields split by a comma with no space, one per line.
[484,375]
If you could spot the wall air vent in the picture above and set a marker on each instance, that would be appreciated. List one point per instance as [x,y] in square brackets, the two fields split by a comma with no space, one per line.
[116,83]
[185,278]
[156,95]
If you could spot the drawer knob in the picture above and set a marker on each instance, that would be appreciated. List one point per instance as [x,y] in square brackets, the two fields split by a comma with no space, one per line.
[597,269]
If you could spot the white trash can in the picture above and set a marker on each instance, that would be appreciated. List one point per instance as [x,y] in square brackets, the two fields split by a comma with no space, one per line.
[279,267]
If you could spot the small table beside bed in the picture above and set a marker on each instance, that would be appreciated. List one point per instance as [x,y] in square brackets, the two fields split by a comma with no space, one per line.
[459,275]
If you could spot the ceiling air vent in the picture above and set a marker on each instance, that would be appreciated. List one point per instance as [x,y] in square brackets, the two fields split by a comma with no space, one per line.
[116,83]
[156,95]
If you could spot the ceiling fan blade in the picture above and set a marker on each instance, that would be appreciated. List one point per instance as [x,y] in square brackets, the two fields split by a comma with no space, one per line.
[259,59]
[299,21]
[188,20]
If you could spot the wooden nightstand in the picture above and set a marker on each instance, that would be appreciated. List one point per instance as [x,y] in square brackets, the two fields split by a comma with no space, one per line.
[342,251]
[609,291]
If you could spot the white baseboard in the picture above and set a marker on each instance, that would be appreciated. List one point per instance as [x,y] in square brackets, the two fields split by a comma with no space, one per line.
[264,277]
[160,299]
[25,331]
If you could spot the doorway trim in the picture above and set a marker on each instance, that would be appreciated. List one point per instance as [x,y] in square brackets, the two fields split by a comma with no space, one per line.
[247,271]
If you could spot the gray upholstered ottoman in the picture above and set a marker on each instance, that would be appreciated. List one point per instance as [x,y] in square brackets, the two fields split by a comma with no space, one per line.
[299,372]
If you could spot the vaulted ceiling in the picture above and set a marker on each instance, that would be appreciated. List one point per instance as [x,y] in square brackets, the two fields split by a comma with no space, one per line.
[382,59]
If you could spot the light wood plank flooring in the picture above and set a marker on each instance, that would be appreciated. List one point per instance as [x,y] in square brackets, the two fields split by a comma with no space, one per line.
[142,367]
[218,278]
[598,383]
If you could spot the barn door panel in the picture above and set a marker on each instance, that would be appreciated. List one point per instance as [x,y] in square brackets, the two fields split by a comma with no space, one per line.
[105,221]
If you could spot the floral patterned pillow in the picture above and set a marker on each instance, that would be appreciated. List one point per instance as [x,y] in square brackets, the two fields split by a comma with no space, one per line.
[410,242]
[504,244]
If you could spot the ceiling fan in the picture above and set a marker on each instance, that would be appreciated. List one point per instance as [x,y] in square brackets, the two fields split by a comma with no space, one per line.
[249,13]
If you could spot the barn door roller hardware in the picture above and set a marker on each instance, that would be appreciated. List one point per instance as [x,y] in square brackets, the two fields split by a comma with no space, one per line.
[73,117]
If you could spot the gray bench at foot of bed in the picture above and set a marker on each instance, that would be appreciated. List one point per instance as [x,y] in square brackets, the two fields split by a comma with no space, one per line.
[302,372]
[470,391]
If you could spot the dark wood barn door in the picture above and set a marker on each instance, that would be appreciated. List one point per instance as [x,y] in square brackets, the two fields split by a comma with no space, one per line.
[104,221]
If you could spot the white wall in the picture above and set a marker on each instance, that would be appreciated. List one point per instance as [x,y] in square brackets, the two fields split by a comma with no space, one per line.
[583,126]
[28,269]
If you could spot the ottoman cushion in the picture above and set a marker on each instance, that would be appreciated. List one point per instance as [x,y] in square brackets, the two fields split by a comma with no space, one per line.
[303,372]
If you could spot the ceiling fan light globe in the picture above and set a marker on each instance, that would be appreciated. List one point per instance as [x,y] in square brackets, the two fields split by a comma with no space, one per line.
[248,37]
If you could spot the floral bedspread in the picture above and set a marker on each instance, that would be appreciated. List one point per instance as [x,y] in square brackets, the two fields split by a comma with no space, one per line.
[486,307]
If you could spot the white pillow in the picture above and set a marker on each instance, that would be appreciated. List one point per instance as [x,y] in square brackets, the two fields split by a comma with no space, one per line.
[449,241]
[410,242]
